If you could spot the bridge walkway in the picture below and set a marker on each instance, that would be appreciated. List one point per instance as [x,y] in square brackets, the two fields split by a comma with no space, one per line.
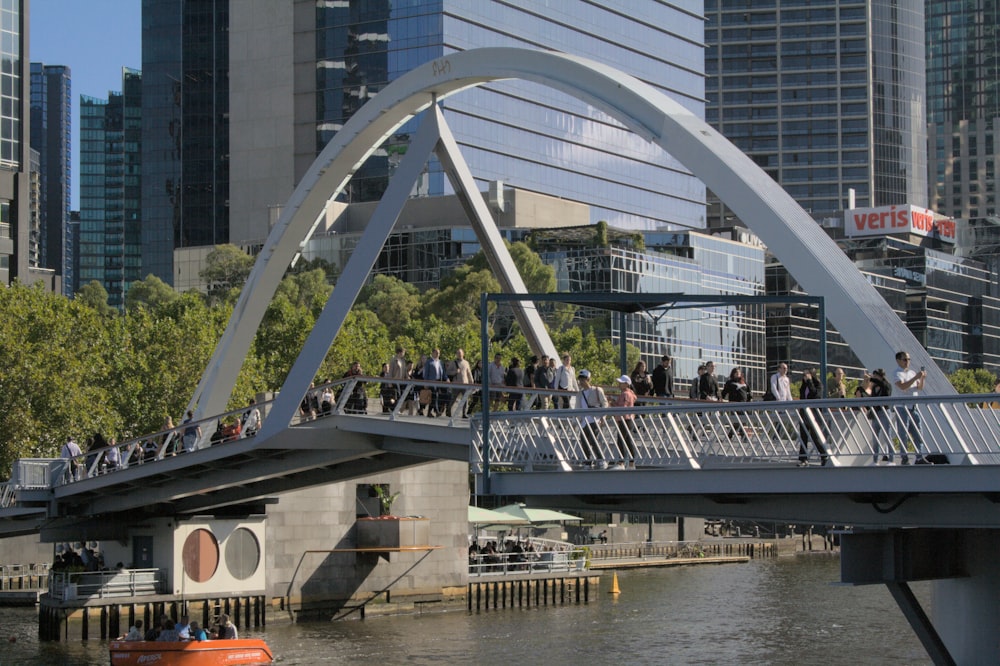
[663,452]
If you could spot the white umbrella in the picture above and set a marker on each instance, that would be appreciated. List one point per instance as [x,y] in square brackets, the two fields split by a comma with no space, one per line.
[536,515]
[479,516]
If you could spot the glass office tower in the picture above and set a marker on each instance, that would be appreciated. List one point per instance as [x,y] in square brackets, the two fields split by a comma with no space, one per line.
[185,136]
[14,167]
[825,96]
[963,107]
[51,111]
[110,189]
[523,134]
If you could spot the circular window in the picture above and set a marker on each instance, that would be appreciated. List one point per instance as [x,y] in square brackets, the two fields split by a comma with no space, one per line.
[242,554]
[201,555]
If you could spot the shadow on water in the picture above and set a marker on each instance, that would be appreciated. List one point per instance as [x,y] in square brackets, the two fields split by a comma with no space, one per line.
[779,611]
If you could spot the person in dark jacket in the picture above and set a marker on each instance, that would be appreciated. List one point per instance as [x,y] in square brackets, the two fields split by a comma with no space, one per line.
[514,377]
[708,385]
[879,387]
[663,378]
[812,426]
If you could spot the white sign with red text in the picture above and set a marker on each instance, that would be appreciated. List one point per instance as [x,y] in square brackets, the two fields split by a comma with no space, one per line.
[901,219]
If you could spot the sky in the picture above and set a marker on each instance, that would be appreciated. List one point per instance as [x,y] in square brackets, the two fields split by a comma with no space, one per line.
[95,39]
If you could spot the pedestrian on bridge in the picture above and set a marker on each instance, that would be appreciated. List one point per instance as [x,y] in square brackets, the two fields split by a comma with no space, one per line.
[909,382]
[626,422]
[591,397]
[812,426]
[545,374]
[565,381]
[71,453]
[192,433]
[878,387]
[463,375]
[663,378]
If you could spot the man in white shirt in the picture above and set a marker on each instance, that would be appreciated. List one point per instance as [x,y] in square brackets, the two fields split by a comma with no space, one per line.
[566,380]
[71,452]
[909,382]
[780,384]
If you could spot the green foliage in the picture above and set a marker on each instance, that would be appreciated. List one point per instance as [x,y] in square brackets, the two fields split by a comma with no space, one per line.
[394,302]
[151,293]
[973,381]
[95,296]
[227,268]
[601,234]
[362,338]
[385,498]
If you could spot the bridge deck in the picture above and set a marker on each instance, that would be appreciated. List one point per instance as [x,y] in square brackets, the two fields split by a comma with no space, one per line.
[679,457]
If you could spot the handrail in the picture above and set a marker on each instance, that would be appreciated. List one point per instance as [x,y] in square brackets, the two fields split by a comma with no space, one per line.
[507,564]
[661,432]
[119,583]
[962,429]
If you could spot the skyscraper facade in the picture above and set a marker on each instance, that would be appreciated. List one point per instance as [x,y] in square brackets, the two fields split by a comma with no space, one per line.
[51,123]
[110,248]
[963,107]
[17,255]
[533,138]
[825,96]
[185,136]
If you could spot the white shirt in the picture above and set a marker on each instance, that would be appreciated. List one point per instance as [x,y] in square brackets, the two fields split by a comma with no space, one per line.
[781,386]
[71,449]
[566,378]
[904,375]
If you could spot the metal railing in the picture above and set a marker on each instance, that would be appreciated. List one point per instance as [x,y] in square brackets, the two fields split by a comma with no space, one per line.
[69,585]
[963,429]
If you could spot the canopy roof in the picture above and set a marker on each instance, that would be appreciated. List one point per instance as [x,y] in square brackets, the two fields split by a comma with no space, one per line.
[536,515]
[480,515]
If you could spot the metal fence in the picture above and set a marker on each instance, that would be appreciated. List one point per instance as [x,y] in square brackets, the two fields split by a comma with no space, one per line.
[694,434]
[69,585]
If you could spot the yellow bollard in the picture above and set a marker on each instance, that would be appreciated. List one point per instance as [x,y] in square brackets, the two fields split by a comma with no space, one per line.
[614,585]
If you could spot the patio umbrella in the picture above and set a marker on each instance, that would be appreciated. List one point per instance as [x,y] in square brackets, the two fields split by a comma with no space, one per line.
[480,516]
[536,515]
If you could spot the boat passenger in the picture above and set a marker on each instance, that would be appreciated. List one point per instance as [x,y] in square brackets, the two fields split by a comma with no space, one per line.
[196,633]
[134,632]
[227,630]
[183,627]
[169,633]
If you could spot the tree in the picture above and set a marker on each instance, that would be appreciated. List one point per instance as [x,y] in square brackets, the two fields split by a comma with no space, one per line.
[52,372]
[308,289]
[227,268]
[973,381]
[394,302]
[149,293]
[95,296]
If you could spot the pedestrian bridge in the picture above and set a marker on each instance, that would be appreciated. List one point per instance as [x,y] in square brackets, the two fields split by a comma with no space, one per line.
[726,460]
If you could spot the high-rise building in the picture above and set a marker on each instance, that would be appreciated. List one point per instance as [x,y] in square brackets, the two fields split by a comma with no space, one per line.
[299,69]
[51,111]
[110,247]
[19,231]
[185,136]
[826,96]
[963,107]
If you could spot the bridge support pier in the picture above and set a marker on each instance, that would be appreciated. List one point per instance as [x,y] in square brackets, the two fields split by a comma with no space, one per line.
[966,574]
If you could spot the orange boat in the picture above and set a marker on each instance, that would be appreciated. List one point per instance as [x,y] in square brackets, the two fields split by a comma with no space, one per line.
[244,651]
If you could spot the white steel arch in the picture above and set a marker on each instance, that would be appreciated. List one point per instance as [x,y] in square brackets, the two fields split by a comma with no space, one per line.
[863,318]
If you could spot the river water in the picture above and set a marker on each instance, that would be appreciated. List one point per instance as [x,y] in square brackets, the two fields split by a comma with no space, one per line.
[787,610]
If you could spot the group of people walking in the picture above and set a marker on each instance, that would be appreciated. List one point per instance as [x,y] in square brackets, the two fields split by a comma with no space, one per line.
[572,389]
[890,426]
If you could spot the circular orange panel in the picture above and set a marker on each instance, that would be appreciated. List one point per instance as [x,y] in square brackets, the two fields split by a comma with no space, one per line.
[201,555]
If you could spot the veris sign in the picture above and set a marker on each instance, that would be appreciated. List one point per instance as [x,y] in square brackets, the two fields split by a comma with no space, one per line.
[902,219]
